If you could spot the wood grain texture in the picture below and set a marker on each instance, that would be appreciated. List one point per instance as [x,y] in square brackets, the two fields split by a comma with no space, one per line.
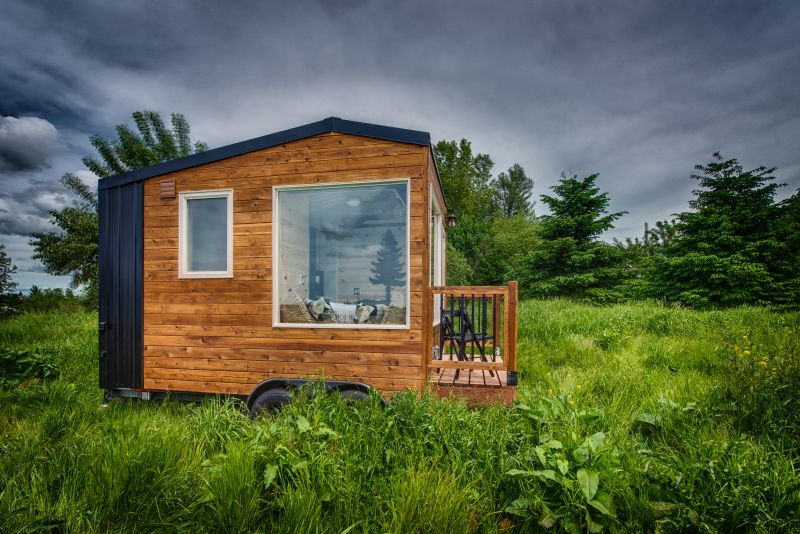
[478,395]
[427,300]
[470,290]
[218,383]
[216,335]
[511,328]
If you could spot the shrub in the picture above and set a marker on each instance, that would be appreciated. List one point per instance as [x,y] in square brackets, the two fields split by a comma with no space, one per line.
[19,366]
[762,389]
[566,482]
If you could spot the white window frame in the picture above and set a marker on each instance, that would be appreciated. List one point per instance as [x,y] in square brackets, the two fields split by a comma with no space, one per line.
[437,237]
[183,242]
[276,217]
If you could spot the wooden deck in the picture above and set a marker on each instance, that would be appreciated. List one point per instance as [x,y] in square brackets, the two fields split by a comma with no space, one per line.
[476,385]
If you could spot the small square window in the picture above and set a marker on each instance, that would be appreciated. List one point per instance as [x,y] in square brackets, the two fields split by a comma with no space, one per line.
[206,234]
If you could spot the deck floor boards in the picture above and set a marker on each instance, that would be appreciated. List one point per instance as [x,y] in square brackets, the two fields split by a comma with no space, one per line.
[467,377]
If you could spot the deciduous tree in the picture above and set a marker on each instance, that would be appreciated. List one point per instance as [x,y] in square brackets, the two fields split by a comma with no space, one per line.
[512,191]
[72,249]
[465,179]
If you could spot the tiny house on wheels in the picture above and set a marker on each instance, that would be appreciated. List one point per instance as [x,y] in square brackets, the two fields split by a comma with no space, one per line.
[315,253]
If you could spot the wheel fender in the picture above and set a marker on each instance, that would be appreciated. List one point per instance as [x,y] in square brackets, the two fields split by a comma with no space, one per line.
[273,383]
[290,384]
[341,387]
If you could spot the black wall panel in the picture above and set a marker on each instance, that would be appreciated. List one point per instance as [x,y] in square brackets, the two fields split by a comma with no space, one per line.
[121,271]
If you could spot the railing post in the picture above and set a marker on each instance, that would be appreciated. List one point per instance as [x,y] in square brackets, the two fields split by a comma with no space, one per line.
[511,332]
[427,337]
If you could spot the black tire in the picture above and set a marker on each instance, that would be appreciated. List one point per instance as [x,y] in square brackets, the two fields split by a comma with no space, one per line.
[353,395]
[270,401]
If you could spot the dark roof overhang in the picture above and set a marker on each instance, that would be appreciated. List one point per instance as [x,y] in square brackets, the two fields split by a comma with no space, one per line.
[331,124]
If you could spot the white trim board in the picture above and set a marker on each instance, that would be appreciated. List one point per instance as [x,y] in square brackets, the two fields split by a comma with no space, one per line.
[183,255]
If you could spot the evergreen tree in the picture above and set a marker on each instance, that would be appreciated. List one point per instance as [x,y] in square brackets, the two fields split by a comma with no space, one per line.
[9,302]
[388,266]
[662,235]
[728,250]
[570,260]
[636,251]
[512,192]
[72,250]
[636,255]
[7,270]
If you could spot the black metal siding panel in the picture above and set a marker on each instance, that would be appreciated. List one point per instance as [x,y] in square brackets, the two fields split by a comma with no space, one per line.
[121,212]
[102,269]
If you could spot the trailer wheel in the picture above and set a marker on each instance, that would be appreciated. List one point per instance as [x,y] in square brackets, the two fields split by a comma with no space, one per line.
[353,395]
[270,401]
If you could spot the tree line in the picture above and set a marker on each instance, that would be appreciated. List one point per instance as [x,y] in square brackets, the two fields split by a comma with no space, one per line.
[734,245]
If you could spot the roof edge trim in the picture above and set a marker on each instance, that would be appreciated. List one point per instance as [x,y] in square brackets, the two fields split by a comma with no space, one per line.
[331,124]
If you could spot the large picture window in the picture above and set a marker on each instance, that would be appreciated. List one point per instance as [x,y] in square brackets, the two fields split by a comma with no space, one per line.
[342,255]
[206,234]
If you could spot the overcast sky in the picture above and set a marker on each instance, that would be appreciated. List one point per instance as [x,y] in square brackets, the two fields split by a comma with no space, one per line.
[637,91]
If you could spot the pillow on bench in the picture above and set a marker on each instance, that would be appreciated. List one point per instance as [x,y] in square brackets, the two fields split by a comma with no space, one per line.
[321,310]
[296,312]
[325,311]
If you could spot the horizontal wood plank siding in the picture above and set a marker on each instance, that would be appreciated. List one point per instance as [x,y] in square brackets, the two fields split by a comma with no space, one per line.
[216,335]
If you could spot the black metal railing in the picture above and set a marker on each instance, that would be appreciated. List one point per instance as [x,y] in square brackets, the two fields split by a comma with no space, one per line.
[477,330]
[469,326]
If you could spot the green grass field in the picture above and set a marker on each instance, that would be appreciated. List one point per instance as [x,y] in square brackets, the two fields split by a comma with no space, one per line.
[631,418]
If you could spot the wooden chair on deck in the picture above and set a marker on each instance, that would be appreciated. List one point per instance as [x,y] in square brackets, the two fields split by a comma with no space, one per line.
[460,330]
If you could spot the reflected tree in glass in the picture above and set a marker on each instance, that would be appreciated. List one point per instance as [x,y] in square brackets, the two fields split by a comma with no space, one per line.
[388,266]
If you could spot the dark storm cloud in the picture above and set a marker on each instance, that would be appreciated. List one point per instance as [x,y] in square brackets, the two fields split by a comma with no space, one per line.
[637,91]
[28,210]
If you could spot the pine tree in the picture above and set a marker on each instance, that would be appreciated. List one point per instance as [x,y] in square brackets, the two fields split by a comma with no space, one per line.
[7,270]
[72,250]
[388,267]
[733,247]
[570,260]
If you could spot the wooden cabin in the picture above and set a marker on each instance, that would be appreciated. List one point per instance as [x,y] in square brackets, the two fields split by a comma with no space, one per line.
[312,253]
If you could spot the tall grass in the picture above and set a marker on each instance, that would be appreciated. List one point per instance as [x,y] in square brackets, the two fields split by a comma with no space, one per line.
[636,407]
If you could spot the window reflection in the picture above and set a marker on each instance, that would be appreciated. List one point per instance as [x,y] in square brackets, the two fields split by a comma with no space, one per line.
[206,231]
[343,256]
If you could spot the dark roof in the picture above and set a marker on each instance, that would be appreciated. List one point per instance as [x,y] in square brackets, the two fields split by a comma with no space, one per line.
[331,124]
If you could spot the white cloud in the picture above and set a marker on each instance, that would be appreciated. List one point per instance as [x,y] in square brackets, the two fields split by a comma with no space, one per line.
[27,143]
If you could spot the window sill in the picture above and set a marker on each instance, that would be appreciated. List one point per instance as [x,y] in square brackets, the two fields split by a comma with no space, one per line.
[337,326]
[210,274]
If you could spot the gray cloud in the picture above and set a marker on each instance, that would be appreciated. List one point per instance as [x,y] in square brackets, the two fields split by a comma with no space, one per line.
[27,211]
[27,143]
[637,91]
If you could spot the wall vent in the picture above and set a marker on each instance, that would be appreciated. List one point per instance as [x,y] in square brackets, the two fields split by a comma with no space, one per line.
[167,189]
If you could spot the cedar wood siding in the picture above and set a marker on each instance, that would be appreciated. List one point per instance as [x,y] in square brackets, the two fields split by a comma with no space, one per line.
[216,335]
